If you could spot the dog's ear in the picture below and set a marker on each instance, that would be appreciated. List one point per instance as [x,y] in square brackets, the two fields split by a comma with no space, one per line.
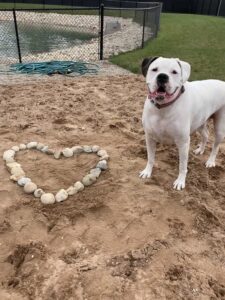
[146,63]
[185,70]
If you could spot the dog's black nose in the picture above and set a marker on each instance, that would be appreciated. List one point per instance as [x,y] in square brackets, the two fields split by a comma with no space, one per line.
[162,79]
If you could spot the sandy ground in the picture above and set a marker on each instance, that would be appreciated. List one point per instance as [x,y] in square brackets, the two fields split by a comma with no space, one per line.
[122,238]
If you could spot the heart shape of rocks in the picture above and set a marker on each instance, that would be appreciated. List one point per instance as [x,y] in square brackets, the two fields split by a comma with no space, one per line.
[18,175]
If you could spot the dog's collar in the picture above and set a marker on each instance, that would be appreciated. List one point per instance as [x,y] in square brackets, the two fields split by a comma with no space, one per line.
[153,101]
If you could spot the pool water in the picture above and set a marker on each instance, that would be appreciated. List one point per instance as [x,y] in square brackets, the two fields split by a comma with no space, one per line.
[36,38]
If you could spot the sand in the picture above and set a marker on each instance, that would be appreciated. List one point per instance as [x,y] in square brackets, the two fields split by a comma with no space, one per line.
[122,238]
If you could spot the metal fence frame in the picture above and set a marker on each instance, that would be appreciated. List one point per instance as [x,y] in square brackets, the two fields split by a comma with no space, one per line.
[205,7]
[17,32]
[147,6]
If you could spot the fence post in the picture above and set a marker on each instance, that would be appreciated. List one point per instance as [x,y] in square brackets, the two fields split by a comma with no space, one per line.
[17,36]
[101,30]
[159,11]
[218,8]
[143,32]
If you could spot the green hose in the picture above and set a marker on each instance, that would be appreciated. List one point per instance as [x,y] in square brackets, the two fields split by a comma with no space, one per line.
[55,67]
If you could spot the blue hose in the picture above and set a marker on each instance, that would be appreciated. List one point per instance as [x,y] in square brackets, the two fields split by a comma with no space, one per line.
[55,67]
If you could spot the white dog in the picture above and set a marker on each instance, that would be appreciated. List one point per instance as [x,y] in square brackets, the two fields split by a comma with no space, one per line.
[175,108]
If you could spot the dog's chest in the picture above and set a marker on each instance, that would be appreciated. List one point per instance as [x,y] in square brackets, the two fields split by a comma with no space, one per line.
[159,129]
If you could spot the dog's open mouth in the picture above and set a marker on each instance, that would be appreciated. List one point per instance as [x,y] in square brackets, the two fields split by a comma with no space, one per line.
[161,89]
[160,94]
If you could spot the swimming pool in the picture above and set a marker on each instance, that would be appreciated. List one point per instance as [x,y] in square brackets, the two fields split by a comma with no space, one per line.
[36,38]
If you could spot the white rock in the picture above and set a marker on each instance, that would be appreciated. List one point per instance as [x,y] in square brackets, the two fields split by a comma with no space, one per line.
[50,151]
[102,164]
[15,168]
[17,171]
[102,153]
[71,190]
[57,154]
[30,187]
[22,146]
[95,148]
[79,186]
[40,146]
[12,165]
[61,195]
[87,149]
[10,160]
[67,152]
[16,177]
[8,154]
[22,181]
[96,172]
[15,148]
[38,193]
[106,157]
[32,145]
[44,149]
[77,149]
[47,198]
[88,179]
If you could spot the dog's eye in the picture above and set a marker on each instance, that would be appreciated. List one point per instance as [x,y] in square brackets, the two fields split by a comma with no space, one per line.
[174,72]
[155,69]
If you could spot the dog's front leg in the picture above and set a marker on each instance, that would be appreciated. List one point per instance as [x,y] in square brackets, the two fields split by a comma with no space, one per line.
[151,147]
[183,148]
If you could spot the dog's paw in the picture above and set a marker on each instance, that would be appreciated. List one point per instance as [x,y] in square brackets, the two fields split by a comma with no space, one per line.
[179,184]
[210,163]
[199,150]
[146,173]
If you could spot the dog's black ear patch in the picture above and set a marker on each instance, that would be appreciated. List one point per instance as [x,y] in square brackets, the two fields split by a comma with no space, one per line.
[146,63]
